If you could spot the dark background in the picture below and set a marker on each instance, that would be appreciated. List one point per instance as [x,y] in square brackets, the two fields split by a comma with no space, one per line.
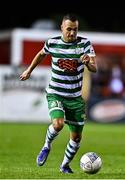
[94,16]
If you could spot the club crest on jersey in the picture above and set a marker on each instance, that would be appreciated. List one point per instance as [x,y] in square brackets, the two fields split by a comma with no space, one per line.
[78,50]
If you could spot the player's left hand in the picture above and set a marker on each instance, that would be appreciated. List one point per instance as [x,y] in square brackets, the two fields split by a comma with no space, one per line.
[85,59]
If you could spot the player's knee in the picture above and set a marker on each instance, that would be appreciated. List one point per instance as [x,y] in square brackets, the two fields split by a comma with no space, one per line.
[58,124]
[76,137]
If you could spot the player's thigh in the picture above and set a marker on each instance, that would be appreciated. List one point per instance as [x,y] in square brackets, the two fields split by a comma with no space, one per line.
[55,106]
[75,112]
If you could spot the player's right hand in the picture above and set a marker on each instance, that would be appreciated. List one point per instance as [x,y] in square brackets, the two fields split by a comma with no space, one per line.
[85,59]
[25,75]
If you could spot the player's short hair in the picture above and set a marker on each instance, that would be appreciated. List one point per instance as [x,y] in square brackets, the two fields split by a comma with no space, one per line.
[71,17]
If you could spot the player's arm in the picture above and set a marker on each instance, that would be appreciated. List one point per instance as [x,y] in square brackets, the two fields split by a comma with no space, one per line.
[36,60]
[90,62]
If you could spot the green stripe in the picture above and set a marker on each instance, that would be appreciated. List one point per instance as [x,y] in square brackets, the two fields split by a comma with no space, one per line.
[88,51]
[46,50]
[67,73]
[66,81]
[65,46]
[87,44]
[71,153]
[59,89]
[68,156]
[59,55]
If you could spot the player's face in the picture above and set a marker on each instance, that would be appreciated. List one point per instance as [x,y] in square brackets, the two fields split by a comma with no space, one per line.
[69,30]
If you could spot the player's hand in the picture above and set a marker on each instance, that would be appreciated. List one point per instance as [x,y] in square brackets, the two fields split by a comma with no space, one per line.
[85,59]
[25,75]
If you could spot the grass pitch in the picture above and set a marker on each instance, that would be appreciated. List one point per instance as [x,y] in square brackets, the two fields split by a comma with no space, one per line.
[20,144]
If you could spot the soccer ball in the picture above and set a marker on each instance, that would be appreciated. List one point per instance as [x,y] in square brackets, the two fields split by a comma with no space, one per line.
[90,163]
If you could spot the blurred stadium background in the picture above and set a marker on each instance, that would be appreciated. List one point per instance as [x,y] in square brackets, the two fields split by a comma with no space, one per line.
[23,107]
[104,91]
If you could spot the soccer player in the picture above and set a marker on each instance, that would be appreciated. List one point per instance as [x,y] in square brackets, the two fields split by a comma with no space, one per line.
[70,54]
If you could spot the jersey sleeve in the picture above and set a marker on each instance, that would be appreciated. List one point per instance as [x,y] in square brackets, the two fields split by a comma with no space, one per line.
[89,49]
[46,47]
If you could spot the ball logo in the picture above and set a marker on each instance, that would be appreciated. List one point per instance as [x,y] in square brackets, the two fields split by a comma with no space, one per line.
[92,157]
[88,166]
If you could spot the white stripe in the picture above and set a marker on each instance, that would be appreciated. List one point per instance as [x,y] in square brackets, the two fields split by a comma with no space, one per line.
[68,154]
[45,50]
[87,48]
[59,41]
[66,51]
[92,52]
[55,108]
[70,78]
[57,68]
[80,67]
[55,41]
[75,123]
[65,86]
[48,134]
[54,59]
[53,91]
[70,149]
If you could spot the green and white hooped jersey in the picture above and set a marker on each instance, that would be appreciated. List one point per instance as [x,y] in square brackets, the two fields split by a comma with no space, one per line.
[67,68]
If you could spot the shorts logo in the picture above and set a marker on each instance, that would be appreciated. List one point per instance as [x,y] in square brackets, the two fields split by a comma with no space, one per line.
[83,116]
[56,104]
[68,65]
[53,104]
